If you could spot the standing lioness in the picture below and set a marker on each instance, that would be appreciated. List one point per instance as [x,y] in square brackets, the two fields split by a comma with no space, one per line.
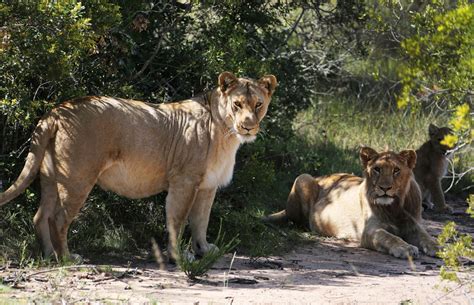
[138,149]
[381,210]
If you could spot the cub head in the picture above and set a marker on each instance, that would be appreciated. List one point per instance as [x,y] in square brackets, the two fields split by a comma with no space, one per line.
[246,102]
[387,174]
[437,135]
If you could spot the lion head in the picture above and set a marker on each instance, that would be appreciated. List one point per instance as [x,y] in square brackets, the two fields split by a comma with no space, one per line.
[246,103]
[437,135]
[388,175]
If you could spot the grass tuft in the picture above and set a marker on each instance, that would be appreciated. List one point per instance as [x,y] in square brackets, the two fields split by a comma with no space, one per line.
[194,268]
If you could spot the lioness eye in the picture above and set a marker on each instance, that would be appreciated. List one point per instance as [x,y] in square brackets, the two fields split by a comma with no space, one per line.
[237,105]
[396,170]
[377,170]
[258,105]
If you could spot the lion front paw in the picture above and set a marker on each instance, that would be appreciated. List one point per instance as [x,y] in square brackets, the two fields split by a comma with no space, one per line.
[404,251]
[429,247]
[72,258]
[204,248]
[428,205]
[444,209]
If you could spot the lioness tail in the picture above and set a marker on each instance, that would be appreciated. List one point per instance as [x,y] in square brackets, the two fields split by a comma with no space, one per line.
[44,131]
[279,218]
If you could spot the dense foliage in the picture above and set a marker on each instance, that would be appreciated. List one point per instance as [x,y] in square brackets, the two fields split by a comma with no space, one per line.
[366,54]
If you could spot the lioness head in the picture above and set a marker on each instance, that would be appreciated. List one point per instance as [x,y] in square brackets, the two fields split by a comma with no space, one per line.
[388,174]
[246,103]
[437,135]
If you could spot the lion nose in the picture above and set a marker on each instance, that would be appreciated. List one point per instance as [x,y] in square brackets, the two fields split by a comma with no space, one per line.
[385,189]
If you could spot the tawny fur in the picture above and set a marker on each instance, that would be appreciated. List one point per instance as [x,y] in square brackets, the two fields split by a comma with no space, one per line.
[430,168]
[381,210]
[138,149]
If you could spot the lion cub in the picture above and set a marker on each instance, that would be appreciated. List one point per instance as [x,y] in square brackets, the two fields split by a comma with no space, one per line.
[431,166]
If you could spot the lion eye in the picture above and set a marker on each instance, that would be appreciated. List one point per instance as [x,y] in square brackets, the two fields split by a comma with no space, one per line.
[237,105]
[377,170]
[258,105]
[396,170]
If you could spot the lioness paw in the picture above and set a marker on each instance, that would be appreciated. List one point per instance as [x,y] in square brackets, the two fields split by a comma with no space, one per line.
[444,209]
[404,251]
[428,205]
[187,256]
[72,258]
[429,247]
[203,249]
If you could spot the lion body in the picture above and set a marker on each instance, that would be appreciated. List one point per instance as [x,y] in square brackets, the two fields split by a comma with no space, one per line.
[347,206]
[136,150]
[430,168]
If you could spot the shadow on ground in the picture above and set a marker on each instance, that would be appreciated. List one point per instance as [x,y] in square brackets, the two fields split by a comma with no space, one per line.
[321,270]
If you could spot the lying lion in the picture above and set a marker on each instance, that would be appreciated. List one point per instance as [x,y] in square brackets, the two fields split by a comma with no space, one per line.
[138,149]
[381,210]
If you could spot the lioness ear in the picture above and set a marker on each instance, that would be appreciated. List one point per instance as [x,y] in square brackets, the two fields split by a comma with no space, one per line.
[433,129]
[366,154]
[226,79]
[409,156]
[268,82]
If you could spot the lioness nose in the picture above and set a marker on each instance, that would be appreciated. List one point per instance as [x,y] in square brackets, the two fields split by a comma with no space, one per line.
[250,122]
[248,128]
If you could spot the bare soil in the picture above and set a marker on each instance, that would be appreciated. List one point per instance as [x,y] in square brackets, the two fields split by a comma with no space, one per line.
[322,271]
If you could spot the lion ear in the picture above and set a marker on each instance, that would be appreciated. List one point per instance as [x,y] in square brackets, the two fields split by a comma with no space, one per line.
[366,154]
[226,79]
[409,156]
[433,130]
[269,82]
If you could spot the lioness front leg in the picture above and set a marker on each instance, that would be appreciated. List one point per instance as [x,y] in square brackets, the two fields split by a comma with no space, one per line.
[417,235]
[383,241]
[437,196]
[180,199]
[199,220]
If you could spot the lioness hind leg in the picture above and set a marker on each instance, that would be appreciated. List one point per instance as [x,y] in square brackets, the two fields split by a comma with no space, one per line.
[302,195]
[49,199]
[199,220]
[179,201]
[71,200]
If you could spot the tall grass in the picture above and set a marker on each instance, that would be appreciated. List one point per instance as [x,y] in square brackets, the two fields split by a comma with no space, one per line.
[335,129]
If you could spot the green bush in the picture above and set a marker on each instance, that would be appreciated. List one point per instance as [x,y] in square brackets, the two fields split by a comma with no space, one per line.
[159,51]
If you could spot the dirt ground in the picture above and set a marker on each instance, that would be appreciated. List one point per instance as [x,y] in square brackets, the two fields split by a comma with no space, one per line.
[323,271]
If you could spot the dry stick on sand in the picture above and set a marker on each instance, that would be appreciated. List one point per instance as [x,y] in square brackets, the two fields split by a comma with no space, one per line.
[93,267]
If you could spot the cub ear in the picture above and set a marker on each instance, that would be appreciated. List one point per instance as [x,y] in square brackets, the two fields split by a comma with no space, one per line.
[366,154]
[268,82]
[409,156]
[226,79]
[433,129]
